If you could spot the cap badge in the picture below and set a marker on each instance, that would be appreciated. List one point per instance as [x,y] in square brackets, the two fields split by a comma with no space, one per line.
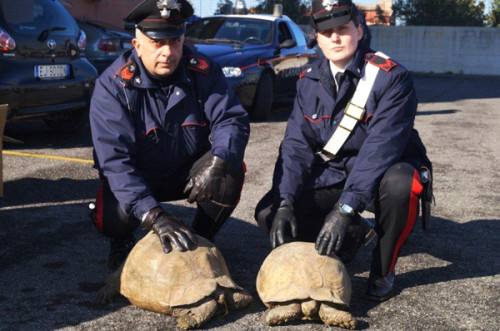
[328,4]
[165,5]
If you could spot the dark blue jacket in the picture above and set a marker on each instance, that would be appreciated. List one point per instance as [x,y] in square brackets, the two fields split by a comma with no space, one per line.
[147,130]
[384,137]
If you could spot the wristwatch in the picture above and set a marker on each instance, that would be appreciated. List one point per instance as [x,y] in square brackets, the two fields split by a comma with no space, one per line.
[346,209]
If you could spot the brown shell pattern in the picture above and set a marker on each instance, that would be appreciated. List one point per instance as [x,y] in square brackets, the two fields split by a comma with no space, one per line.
[295,271]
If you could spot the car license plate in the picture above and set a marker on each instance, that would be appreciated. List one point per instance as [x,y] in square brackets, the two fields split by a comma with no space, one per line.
[51,71]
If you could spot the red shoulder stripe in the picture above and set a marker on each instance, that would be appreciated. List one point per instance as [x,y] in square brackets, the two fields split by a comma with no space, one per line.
[121,68]
[126,74]
[382,63]
[198,64]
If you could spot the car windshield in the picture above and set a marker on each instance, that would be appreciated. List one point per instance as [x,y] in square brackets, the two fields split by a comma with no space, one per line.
[247,30]
[34,16]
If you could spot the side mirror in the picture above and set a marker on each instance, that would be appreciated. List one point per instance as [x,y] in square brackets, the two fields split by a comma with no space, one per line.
[311,42]
[289,43]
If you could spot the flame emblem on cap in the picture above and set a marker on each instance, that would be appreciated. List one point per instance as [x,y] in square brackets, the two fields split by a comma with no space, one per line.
[165,5]
[328,4]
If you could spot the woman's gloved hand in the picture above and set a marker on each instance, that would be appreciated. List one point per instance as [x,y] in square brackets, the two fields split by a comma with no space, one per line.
[284,217]
[333,232]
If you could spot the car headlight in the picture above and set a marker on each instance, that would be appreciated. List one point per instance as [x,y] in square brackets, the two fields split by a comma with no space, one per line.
[232,71]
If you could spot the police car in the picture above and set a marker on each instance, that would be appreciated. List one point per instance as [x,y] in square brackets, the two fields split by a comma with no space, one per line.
[261,56]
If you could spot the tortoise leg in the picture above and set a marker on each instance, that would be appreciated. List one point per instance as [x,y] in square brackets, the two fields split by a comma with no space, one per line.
[336,317]
[310,309]
[112,287]
[198,315]
[237,300]
[283,313]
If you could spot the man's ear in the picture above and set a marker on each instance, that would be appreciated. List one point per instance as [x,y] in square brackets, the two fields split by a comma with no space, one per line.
[137,45]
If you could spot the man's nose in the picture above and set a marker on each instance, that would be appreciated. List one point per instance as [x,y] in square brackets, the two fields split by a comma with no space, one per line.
[166,50]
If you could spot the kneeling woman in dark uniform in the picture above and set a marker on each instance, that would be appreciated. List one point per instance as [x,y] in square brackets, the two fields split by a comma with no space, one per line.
[165,126]
[349,144]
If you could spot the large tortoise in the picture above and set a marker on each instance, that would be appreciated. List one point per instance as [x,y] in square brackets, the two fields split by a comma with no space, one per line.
[192,285]
[296,282]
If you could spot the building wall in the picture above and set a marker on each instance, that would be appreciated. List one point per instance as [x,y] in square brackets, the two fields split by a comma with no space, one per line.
[109,11]
[460,50]
[372,16]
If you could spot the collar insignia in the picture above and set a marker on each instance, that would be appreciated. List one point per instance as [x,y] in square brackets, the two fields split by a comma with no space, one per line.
[166,5]
[198,64]
[328,4]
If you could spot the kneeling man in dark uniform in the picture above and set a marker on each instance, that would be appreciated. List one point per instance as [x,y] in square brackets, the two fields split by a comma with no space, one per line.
[349,144]
[165,126]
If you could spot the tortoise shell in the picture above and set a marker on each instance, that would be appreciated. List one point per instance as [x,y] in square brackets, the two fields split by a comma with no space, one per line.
[157,281]
[295,271]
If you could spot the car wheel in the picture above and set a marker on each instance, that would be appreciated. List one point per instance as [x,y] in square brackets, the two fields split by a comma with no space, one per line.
[68,122]
[263,100]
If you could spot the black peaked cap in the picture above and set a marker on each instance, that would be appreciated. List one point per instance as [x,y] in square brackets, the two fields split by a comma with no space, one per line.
[159,19]
[327,14]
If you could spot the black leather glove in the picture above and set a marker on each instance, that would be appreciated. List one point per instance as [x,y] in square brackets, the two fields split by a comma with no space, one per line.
[171,230]
[332,233]
[206,183]
[284,216]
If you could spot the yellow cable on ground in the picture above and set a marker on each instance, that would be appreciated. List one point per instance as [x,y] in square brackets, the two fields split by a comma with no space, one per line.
[53,157]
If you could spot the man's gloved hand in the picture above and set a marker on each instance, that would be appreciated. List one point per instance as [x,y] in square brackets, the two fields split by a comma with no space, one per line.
[333,231]
[171,230]
[206,183]
[285,215]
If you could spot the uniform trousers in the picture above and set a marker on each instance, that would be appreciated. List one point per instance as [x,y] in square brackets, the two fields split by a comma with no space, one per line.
[395,206]
[113,222]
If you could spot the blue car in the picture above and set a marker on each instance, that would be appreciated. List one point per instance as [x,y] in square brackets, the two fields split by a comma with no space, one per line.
[261,56]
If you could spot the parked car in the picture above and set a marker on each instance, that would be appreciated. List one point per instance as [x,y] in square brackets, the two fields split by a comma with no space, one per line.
[42,71]
[260,55]
[104,43]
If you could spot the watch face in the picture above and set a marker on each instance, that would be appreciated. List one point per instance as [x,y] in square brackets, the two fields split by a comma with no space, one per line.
[348,209]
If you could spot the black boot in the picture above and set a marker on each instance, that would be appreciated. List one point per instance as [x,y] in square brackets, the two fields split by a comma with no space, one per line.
[119,249]
[379,288]
[356,235]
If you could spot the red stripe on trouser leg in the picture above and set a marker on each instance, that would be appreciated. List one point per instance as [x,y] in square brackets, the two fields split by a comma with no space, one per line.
[416,189]
[98,220]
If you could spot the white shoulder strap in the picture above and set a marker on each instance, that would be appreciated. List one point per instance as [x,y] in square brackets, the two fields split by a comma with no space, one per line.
[353,112]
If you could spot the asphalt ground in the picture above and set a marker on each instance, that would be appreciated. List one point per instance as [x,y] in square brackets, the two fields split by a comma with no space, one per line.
[52,259]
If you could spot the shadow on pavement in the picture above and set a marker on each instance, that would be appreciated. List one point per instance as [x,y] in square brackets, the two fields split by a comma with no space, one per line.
[436,112]
[467,250]
[450,88]
[37,135]
[31,190]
